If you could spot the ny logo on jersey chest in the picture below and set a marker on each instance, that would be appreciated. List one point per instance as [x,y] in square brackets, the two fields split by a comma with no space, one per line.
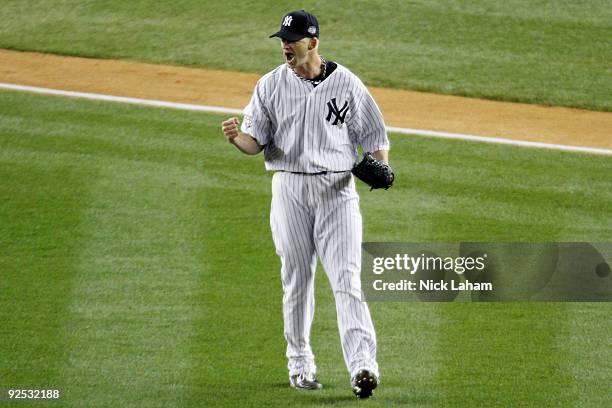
[339,114]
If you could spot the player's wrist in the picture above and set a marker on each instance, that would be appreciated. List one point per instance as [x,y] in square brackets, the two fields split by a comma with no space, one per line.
[234,139]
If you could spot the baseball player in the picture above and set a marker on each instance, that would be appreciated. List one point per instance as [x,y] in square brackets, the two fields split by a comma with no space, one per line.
[308,116]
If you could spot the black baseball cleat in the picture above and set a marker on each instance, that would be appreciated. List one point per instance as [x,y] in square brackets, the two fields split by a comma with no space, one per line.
[304,381]
[364,383]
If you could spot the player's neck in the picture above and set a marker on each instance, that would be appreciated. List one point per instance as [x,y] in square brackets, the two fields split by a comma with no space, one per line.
[311,69]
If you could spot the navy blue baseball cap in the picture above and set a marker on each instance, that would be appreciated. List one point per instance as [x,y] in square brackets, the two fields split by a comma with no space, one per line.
[297,25]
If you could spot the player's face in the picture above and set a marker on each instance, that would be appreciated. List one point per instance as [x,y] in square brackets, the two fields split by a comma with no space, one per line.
[296,52]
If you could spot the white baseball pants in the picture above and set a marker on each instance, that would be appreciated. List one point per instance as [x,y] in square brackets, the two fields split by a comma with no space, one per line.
[319,215]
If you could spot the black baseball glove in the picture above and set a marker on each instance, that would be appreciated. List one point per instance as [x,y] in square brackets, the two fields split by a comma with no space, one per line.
[374,173]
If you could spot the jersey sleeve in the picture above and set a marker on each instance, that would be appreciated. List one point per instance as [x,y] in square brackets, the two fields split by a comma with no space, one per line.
[256,117]
[367,126]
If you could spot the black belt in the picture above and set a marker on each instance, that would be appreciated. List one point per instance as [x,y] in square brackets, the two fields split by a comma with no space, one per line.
[314,174]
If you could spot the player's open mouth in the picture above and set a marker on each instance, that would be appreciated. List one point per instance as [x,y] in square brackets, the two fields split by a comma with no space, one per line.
[289,57]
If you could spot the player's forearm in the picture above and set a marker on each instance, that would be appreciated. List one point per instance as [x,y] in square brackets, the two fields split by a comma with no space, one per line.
[246,144]
[382,155]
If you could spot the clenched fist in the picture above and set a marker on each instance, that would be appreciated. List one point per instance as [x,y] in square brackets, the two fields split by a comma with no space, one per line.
[231,129]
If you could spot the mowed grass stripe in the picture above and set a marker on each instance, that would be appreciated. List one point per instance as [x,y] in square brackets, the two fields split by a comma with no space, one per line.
[161,190]
[587,349]
[491,351]
[39,244]
[134,308]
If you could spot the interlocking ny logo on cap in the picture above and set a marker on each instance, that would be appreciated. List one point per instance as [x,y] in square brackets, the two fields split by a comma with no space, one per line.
[287,21]
[339,114]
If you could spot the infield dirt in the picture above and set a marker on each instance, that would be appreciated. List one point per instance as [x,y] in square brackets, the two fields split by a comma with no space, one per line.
[233,89]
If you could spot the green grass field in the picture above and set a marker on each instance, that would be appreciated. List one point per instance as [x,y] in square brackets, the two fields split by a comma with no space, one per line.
[545,52]
[137,268]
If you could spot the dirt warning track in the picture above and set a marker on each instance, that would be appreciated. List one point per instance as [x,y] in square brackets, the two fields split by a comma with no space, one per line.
[233,89]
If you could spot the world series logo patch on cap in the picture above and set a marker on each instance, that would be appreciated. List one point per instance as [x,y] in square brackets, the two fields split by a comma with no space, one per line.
[312,30]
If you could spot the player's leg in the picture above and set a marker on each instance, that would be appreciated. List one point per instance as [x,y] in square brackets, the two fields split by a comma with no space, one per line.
[292,227]
[338,228]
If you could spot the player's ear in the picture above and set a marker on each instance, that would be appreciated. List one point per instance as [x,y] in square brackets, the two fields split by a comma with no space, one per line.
[313,43]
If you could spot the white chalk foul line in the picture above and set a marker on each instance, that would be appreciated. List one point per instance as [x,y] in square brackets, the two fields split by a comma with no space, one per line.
[499,140]
[219,109]
[122,99]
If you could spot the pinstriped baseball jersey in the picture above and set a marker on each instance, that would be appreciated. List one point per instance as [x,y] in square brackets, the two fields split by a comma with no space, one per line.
[312,129]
